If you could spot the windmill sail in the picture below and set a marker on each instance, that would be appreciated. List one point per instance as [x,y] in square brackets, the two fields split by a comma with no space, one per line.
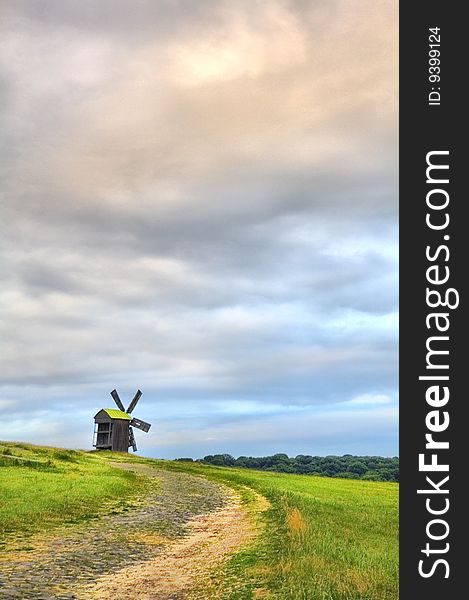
[117,400]
[140,425]
[132,441]
[133,404]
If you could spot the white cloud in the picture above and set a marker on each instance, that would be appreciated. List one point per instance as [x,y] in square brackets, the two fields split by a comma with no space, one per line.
[367,399]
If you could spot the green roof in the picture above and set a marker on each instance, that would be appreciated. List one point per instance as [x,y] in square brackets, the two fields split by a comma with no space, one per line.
[114,413]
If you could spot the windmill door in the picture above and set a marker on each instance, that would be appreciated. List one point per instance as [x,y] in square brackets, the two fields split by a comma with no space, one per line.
[104,435]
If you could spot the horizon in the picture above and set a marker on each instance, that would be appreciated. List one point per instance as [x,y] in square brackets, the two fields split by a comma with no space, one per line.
[195,458]
[201,458]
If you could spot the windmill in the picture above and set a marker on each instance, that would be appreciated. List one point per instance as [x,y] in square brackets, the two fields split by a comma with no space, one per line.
[114,428]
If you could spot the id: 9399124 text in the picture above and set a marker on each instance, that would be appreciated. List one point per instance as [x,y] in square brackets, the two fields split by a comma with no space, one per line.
[434,66]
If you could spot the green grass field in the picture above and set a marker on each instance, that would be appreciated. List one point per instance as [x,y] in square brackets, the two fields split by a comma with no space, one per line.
[43,487]
[324,539]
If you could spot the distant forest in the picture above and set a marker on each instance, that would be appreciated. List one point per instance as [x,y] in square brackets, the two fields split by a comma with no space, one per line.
[371,468]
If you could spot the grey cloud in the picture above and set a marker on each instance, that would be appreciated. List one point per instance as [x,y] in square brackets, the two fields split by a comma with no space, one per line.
[202,202]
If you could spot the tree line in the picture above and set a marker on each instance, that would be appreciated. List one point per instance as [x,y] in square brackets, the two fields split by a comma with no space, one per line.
[371,468]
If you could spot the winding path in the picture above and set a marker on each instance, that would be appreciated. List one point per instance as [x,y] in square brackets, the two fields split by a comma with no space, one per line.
[184,564]
[161,548]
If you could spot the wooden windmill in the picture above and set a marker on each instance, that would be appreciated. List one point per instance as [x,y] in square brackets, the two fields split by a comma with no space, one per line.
[113,428]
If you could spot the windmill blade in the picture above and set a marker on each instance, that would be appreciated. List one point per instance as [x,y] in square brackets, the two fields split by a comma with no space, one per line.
[132,441]
[117,400]
[133,404]
[140,425]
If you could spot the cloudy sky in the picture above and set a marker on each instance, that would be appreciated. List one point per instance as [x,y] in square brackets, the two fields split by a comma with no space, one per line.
[200,199]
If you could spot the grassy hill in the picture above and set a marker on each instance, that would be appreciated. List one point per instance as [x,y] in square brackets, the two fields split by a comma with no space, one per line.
[43,487]
[323,539]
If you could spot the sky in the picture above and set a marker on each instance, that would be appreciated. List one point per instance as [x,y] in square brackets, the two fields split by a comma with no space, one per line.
[199,200]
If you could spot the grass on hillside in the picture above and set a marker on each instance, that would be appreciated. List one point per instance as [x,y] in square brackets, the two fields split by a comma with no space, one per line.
[326,539]
[46,487]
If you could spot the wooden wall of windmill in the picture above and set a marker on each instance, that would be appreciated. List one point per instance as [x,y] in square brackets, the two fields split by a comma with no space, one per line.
[113,429]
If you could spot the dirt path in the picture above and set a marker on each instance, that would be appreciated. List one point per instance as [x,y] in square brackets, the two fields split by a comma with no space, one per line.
[185,563]
[57,564]
[159,548]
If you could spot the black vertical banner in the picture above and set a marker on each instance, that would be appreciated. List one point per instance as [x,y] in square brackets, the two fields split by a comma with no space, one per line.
[433,355]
